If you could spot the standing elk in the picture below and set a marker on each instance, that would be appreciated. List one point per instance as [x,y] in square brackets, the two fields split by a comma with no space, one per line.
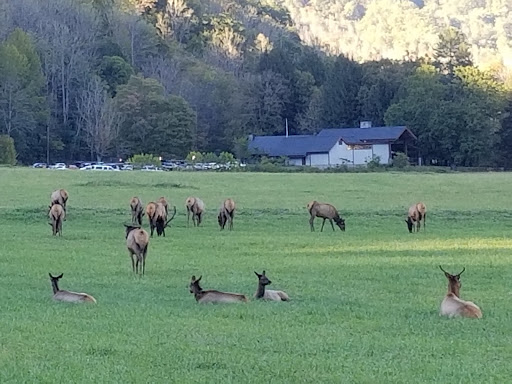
[163,201]
[196,207]
[226,214]
[137,241]
[212,296]
[267,294]
[452,305]
[417,212]
[160,219]
[59,196]
[57,215]
[137,210]
[326,212]
[67,295]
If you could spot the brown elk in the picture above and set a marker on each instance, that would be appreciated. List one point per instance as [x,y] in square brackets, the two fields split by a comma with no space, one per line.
[196,207]
[137,210]
[417,212]
[57,215]
[326,212]
[137,241]
[452,305]
[226,214]
[266,294]
[67,295]
[163,201]
[160,221]
[212,296]
[59,196]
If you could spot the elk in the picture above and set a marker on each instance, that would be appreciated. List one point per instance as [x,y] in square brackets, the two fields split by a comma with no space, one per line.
[196,207]
[137,210]
[163,201]
[417,212]
[266,294]
[226,214]
[160,221]
[212,296]
[67,295]
[137,241]
[59,196]
[452,305]
[326,212]
[57,214]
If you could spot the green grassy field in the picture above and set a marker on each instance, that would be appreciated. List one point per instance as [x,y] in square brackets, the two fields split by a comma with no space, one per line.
[364,303]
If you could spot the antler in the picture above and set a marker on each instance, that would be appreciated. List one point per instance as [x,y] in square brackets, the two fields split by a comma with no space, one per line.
[463,269]
[443,270]
[174,214]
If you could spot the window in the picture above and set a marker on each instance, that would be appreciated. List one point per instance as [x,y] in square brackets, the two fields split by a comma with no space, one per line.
[359,146]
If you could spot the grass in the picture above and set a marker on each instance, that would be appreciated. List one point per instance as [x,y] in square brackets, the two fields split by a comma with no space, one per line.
[364,303]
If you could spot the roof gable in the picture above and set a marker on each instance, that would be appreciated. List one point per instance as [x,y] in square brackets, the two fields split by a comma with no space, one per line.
[367,135]
[291,146]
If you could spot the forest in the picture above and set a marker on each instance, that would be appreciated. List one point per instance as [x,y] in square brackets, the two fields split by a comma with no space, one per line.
[98,79]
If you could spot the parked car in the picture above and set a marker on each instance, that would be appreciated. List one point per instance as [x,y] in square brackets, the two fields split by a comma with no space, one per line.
[127,167]
[150,168]
[39,165]
[59,166]
[98,167]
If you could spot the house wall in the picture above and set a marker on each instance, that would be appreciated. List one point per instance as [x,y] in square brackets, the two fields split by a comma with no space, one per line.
[295,161]
[320,160]
[341,154]
[382,150]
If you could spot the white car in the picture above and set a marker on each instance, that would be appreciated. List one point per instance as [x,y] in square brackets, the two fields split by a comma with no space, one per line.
[98,167]
[150,168]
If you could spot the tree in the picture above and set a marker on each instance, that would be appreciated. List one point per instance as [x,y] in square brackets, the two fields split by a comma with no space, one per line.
[452,51]
[114,71]
[7,151]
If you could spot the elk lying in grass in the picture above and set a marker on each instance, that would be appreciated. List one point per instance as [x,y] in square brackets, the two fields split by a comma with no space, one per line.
[196,207]
[326,212]
[212,296]
[452,305]
[67,295]
[57,216]
[226,214]
[417,212]
[59,196]
[266,294]
[137,210]
[137,241]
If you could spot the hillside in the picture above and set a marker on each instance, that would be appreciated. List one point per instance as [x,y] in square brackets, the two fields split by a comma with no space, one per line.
[397,29]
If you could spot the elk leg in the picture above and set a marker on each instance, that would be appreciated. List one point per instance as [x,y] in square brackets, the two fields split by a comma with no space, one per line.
[425,222]
[133,262]
[332,225]
[143,265]
[311,219]
[322,229]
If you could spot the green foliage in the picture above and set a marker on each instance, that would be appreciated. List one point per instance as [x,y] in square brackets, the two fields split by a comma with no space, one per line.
[374,163]
[114,71]
[145,159]
[226,158]
[210,157]
[7,150]
[195,157]
[401,160]
[452,51]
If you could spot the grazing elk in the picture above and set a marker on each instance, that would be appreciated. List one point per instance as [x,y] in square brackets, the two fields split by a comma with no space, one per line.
[163,201]
[212,296]
[452,305]
[160,219]
[137,210]
[57,215]
[226,214]
[59,196]
[196,207]
[326,212]
[417,212]
[67,295]
[137,241]
[266,294]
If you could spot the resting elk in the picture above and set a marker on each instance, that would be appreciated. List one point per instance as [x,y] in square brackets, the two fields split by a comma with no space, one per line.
[60,295]
[452,305]
[212,296]
[267,294]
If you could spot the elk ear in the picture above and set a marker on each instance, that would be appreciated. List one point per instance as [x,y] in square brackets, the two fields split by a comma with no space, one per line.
[263,273]
[50,275]
[200,277]
[193,277]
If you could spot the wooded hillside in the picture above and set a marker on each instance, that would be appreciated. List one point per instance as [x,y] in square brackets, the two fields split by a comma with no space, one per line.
[90,79]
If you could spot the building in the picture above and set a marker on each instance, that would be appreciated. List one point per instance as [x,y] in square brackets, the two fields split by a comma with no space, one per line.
[340,146]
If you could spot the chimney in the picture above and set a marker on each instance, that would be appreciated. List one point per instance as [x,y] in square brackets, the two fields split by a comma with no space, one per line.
[365,124]
[251,137]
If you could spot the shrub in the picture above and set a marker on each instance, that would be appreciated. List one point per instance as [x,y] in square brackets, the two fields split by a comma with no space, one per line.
[374,163]
[194,157]
[226,158]
[400,160]
[7,150]
[145,159]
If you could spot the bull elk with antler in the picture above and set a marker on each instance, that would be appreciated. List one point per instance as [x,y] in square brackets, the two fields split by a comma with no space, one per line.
[452,305]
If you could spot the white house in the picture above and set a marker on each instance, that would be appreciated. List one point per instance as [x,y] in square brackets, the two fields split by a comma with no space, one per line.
[332,147]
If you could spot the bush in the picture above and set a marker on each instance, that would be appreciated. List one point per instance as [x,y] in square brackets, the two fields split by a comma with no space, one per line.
[400,160]
[374,163]
[195,157]
[210,157]
[226,158]
[7,150]
[145,159]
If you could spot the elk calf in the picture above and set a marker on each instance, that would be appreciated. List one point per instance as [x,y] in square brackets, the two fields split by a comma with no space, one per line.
[195,206]
[137,241]
[67,295]
[137,210]
[226,214]
[452,305]
[326,212]
[212,296]
[266,294]
[417,212]
[57,216]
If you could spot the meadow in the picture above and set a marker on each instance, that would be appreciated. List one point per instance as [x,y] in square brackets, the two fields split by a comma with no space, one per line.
[364,303]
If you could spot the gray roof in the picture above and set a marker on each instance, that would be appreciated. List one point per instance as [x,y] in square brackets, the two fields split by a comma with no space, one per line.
[291,146]
[366,135]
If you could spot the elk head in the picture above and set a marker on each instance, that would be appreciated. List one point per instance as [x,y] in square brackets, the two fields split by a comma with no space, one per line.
[130,227]
[453,281]
[409,224]
[194,286]
[263,280]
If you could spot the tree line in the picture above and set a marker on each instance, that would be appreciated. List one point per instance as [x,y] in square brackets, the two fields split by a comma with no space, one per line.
[93,79]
